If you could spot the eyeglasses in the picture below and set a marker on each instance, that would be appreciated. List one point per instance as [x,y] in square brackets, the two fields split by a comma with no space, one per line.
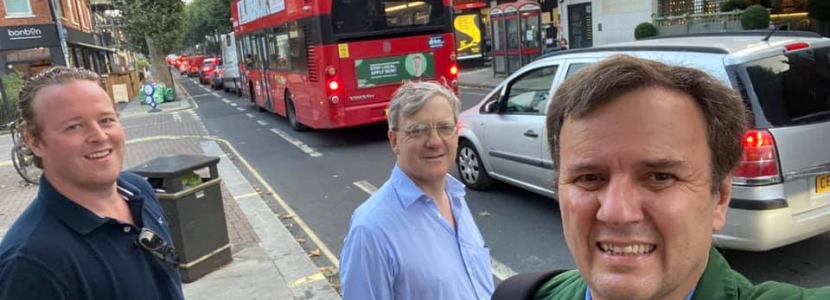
[422,131]
[158,247]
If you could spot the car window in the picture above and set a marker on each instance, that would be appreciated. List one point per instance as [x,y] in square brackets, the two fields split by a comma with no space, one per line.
[793,88]
[529,93]
[575,67]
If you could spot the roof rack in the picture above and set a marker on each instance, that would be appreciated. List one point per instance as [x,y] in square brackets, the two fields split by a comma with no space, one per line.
[761,33]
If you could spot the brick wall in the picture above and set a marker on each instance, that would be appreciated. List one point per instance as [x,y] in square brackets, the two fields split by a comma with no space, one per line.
[40,10]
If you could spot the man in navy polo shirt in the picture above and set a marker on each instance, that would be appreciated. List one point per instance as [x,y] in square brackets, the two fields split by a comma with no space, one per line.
[92,232]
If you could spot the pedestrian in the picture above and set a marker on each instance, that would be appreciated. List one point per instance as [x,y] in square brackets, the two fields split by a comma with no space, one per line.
[645,153]
[415,238]
[92,231]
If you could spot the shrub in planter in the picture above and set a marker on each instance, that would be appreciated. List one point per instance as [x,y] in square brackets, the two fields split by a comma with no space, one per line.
[755,17]
[644,30]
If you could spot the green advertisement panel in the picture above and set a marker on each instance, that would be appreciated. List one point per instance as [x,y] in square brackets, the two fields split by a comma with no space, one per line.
[394,69]
[467,35]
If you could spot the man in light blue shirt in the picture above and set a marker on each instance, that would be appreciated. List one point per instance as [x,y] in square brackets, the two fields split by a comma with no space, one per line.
[415,238]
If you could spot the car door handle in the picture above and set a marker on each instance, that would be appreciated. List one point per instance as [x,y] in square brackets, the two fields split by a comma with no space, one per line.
[530,133]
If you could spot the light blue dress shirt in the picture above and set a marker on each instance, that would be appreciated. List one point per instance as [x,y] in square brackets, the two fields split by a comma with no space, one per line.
[400,247]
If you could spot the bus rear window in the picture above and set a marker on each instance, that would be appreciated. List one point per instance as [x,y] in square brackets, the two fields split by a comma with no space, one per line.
[363,16]
[793,88]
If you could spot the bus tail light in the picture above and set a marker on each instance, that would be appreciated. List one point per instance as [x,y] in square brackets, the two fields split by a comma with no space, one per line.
[454,70]
[333,86]
[331,71]
[334,99]
[452,56]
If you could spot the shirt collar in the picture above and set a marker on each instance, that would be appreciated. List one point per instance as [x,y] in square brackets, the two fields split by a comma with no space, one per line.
[688,296]
[74,215]
[409,192]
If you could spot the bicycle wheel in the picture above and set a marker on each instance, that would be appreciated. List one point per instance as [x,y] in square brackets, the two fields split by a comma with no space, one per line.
[24,165]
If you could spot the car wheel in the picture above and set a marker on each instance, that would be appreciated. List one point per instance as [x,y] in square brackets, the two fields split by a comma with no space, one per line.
[292,115]
[470,167]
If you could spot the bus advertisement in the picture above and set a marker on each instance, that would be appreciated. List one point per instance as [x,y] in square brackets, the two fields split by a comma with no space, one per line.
[336,63]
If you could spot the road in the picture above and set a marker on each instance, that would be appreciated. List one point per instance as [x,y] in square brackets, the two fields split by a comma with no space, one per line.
[324,175]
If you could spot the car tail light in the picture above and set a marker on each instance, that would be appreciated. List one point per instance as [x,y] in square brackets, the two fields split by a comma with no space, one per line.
[454,70]
[759,162]
[796,46]
[206,69]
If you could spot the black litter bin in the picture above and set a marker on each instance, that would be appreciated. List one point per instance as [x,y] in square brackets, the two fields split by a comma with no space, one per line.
[195,213]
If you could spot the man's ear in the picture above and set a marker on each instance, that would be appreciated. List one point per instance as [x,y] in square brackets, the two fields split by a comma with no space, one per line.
[393,140]
[35,144]
[721,197]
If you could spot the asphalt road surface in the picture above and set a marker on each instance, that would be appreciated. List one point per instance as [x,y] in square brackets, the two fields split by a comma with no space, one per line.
[324,175]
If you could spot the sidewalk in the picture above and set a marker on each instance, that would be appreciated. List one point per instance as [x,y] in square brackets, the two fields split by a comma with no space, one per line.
[481,78]
[268,263]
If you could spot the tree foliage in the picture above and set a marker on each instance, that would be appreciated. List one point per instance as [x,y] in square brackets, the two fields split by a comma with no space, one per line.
[205,18]
[644,30]
[159,19]
[755,17]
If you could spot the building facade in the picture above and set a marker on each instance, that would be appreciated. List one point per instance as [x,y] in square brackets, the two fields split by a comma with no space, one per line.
[38,34]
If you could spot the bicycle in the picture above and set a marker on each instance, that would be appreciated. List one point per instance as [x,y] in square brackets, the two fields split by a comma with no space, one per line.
[22,158]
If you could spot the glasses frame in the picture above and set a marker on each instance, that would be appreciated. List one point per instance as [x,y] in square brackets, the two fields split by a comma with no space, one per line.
[415,131]
[164,252]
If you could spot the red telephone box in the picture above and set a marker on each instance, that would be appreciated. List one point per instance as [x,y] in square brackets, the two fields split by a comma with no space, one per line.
[516,36]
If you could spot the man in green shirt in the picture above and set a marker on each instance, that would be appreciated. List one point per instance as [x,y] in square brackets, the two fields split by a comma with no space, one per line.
[645,153]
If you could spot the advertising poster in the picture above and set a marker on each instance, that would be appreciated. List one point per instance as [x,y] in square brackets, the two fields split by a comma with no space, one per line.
[394,69]
[467,35]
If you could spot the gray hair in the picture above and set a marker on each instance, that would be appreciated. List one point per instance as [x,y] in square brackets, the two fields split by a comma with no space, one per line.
[412,96]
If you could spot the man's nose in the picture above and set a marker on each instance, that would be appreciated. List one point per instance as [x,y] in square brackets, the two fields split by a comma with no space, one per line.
[620,202]
[96,133]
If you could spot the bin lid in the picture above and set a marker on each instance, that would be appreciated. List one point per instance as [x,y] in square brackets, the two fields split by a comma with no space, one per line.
[174,165]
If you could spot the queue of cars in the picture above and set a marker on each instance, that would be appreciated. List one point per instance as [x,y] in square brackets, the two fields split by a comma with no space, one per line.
[220,72]
[781,189]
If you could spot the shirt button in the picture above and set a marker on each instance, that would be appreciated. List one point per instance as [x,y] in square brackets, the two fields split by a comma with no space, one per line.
[127,229]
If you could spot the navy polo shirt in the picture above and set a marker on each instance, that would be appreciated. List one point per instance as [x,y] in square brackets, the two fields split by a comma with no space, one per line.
[58,249]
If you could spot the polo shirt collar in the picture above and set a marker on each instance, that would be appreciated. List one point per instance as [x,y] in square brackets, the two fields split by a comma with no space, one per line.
[409,192]
[72,214]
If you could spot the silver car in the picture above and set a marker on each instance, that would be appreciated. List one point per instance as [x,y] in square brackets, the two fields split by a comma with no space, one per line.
[781,192]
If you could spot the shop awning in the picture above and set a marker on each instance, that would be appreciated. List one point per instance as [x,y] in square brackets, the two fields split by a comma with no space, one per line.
[91,46]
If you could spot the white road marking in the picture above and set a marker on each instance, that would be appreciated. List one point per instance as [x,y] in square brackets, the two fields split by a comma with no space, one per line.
[226,100]
[250,115]
[177,117]
[305,148]
[240,109]
[233,104]
[500,270]
[217,95]
[261,122]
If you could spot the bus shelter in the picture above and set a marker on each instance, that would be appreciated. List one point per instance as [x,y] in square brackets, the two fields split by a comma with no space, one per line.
[516,35]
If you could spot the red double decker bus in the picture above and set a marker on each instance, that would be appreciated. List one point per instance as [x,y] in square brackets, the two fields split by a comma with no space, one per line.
[336,63]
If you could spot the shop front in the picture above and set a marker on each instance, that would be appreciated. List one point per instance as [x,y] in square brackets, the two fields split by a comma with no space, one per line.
[29,49]
[83,53]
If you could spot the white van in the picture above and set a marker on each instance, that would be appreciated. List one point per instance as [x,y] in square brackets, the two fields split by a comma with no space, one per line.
[230,62]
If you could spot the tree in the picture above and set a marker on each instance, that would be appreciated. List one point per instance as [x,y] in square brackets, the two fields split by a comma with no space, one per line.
[153,28]
[755,17]
[644,30]
[205,18]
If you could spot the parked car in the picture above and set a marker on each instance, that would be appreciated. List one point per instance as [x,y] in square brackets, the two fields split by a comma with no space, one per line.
[207,69]
[216,77]
[781,189]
